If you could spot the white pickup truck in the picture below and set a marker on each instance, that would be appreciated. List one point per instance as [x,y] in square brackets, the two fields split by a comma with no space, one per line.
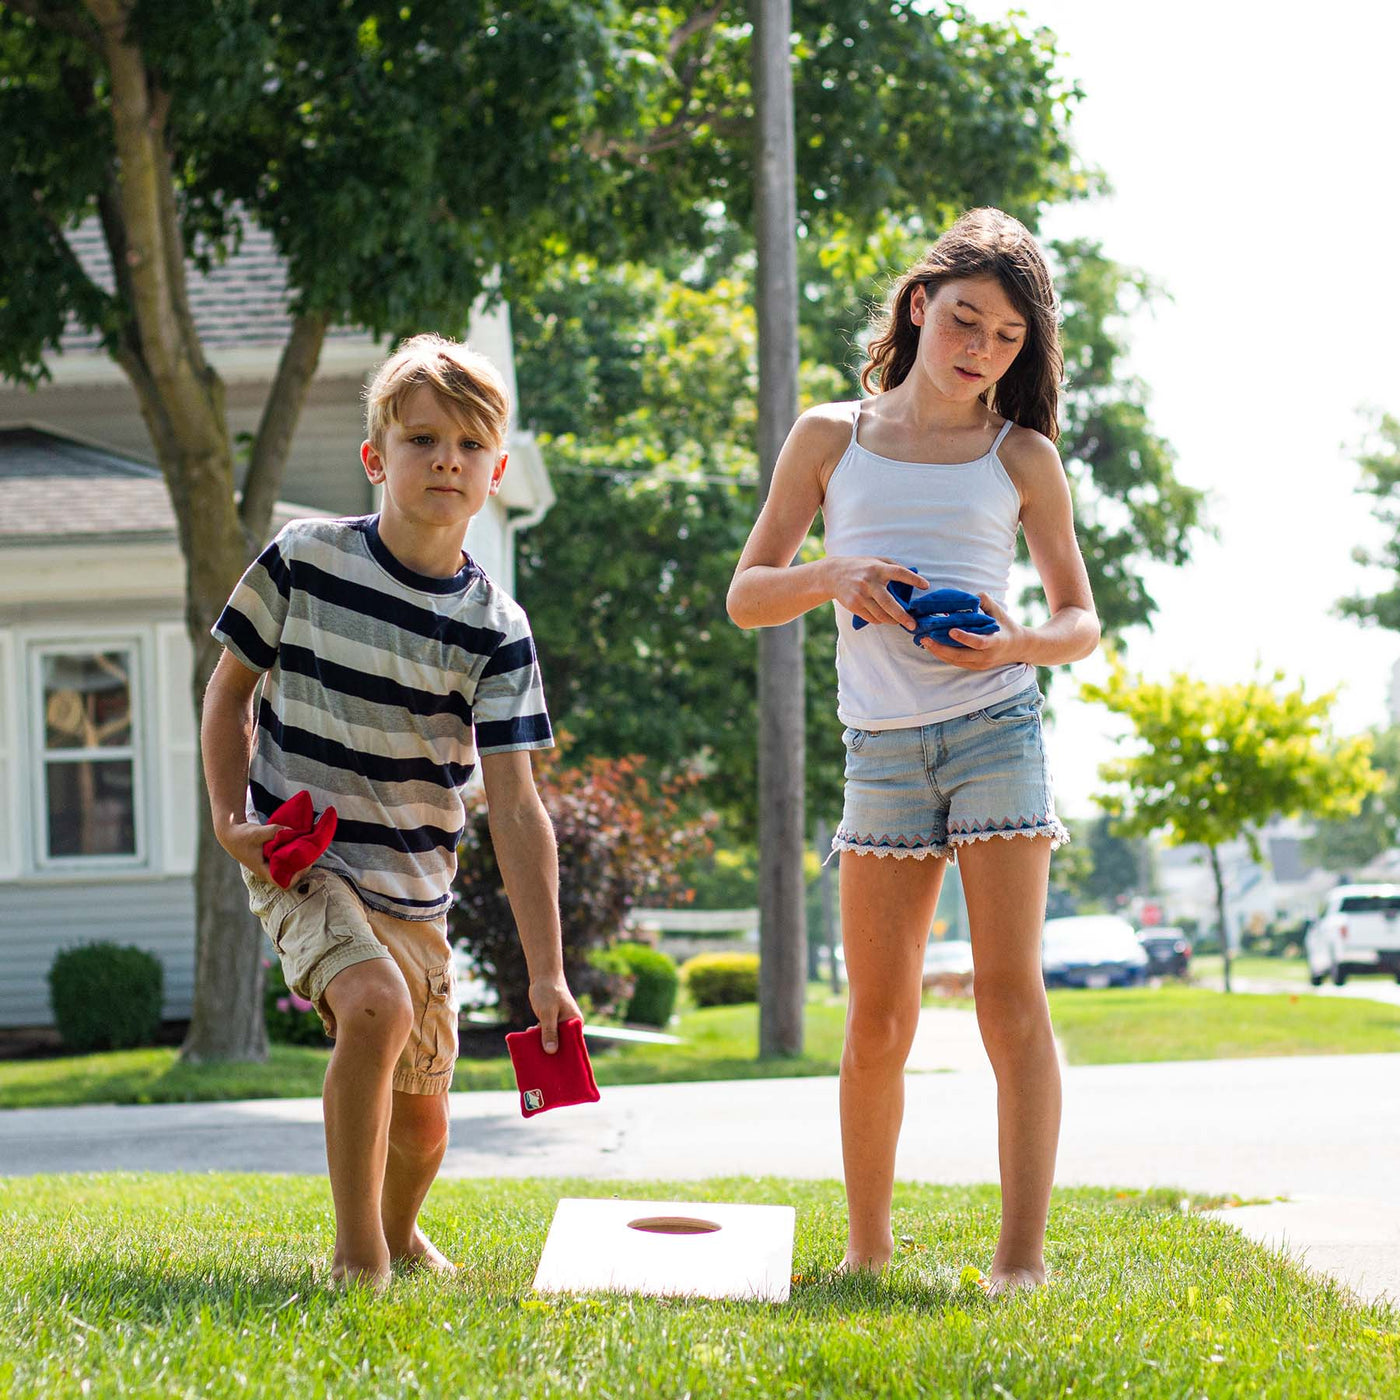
[1358,931]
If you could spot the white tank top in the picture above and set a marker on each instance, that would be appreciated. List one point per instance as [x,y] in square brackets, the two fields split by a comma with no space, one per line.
[955,525]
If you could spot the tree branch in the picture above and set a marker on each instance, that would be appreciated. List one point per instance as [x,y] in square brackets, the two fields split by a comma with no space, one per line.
[295,369]
[59,20]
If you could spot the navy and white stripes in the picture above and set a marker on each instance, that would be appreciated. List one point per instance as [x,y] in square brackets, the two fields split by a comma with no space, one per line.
[382,687]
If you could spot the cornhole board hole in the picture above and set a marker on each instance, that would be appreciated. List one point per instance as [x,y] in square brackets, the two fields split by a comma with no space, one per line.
[690,1249]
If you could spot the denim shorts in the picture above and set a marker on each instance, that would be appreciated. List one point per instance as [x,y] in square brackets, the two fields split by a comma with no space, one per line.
[928,789]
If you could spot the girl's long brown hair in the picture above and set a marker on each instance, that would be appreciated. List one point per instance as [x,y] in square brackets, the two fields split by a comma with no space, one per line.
[982,243]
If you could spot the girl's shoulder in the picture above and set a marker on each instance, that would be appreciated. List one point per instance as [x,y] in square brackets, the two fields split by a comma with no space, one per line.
[1030,460]
[822,434]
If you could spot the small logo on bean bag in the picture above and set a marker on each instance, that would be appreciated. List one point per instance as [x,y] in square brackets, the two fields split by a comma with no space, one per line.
[534,1098]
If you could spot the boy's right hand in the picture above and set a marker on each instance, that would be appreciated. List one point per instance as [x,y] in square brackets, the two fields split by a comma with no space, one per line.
[244,841]
[860,585]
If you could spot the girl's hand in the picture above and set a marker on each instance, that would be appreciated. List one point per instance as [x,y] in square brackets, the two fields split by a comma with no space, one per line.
[859,585]
[1000,648]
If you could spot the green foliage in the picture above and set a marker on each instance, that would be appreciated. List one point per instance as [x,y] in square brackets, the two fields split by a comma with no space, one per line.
[721,979]
[620,837]
[1215,761]
[1379,460]
[1355,841]
[1121,865]
[105,996]
[656,982]
[290,1019]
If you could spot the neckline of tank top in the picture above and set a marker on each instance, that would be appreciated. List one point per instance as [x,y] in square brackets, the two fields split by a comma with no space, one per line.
[991,452]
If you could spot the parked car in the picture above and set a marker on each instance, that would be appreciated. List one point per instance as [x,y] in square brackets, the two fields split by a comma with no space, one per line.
[1168,952]
[1359,931]
[1092,950]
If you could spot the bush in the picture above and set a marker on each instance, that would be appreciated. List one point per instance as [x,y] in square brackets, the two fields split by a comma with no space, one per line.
[657,980]
[621,839]
[291,1020]
[106,997]
[722,979]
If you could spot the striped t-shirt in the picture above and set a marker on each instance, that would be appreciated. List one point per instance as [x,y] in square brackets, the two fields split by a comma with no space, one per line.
[376,678]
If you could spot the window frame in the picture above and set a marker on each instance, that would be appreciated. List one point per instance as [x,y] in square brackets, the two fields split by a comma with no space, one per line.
[135,752]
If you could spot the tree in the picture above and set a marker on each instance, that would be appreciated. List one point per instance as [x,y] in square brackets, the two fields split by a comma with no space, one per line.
[1379,460]
[1215,762]
[1358,840]
[400,157]
[1120,865]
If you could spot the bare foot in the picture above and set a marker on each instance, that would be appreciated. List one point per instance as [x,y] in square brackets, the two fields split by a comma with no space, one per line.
[866,1262]
[422,1253]
[1006,1281]
[347,1276]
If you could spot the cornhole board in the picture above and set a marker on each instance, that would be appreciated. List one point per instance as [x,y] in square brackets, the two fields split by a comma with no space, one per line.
[694,1249]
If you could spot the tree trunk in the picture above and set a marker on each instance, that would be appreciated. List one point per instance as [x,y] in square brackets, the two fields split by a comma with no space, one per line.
[227,1021]
[1220,909]
[782,734]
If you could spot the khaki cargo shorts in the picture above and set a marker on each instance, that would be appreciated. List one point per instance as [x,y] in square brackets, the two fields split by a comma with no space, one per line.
[320,927]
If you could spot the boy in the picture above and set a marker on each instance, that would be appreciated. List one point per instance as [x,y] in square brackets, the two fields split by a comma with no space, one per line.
[391,662]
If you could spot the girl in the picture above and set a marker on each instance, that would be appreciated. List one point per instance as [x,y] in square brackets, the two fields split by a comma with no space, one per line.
[925,483]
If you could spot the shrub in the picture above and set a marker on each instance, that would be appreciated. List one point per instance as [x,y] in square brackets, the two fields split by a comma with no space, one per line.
[722,979]
[621,838]
[105,996]
[656,982]
[291,1020]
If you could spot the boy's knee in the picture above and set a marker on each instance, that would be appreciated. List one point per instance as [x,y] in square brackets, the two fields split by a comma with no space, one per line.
[371,1004]
[419,1125]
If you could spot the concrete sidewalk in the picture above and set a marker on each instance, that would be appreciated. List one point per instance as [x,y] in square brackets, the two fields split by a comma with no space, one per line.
[1323,1131]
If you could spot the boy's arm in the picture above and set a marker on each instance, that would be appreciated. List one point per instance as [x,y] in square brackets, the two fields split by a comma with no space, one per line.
[523,838]
[226,743]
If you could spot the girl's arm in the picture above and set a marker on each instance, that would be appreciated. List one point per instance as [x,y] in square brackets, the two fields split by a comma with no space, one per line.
[1047,517]
[768,589]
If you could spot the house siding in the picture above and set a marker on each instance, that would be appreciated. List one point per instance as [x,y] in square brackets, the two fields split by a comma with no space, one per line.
[39,919]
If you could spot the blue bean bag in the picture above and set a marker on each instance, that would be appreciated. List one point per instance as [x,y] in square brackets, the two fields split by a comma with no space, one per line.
[938,611]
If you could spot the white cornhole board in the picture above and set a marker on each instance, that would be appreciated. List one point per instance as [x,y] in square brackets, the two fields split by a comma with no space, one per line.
[685,1248]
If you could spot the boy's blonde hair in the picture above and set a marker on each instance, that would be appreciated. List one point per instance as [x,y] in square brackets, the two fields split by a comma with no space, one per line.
[462,378]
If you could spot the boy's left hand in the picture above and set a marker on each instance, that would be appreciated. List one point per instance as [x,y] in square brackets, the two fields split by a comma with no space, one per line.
[552,1002]
[1001,648]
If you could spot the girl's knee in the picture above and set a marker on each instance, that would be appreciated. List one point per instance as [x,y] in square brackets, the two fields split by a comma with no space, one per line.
[879,1034]
[1010,1012]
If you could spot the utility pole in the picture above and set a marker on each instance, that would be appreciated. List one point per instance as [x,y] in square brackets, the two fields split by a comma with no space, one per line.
[782,981]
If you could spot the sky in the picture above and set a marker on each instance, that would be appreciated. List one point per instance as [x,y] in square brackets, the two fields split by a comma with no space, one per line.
[1251,151]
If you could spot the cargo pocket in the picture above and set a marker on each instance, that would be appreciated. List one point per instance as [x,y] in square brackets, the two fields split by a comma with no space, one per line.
[437,1031]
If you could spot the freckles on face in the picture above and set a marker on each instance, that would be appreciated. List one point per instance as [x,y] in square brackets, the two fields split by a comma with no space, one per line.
[972,330]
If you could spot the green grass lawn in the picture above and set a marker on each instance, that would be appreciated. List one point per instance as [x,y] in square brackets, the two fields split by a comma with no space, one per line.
[1131,1025]
[211,1284]
[720,1042]
[1209,969]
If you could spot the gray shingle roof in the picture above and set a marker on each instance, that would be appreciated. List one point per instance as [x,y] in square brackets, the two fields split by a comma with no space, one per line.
[54,489]
[243,302]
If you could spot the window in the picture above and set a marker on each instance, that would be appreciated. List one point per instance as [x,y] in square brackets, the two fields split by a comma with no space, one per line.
[88,798]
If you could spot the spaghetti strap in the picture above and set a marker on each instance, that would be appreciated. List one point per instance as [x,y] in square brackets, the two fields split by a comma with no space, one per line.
[855,419]
[1005,428]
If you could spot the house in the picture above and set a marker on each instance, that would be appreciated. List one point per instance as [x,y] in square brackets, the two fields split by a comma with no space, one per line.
[97,738]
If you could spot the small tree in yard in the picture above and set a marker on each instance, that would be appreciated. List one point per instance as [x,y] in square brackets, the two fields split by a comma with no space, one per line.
[1215,762]
[620,838]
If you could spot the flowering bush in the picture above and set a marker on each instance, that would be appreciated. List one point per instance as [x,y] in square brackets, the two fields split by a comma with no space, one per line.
[621,839]
[291,1020]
